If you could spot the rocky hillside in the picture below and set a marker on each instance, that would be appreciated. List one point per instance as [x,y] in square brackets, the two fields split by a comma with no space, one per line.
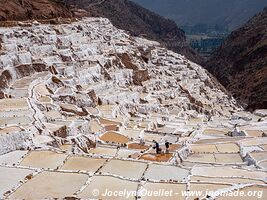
[241,62]
[32,9]
[139,21]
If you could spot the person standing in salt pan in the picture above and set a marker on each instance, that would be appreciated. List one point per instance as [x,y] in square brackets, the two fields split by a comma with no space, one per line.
[158,150]
[167,146]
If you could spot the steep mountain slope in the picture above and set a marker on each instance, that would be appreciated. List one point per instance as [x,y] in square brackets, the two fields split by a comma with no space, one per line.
[129,16]
[32,9]
[241,63]
[229,14]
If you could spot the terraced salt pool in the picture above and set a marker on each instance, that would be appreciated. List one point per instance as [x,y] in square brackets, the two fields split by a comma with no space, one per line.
[216,158]
[231,180]
[259,191]
[215,148]
[78,163]
[209,148]
[13,104]
[176,188]
[103,183]
[259,156]
[216,132]
[50,185]
[104,151]
[127,153]
[95,127]
[223,171]
[19,120]
[43,159]
[164,172]
[131,133]
[7,182]
[12,158]
[206,187]
[129,169]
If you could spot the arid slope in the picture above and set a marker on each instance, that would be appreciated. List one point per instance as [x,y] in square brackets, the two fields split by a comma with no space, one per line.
[32,9]
[240,64]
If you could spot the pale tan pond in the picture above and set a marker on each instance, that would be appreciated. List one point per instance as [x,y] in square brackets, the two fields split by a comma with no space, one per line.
[215,158]
[126,153]
[156,187]
[84,164]
[259,156]
[203,179]
[108,122]
[151,137]
[264,147]
[260,193]
[228,158]
[10,129]
[13,104]
[104,151]
[50,185]
[129,169]
[19,120]
[95,126]
[103,183]
[163,172]
[217,140]
[41,90]
[45,99]
[254,133]
[227,148]
[43,159]
[10,177]
[205,188]
[131,133]
[12,158]
[226,172]
[263,164]
[93,111]
[208,148]
[254,141]
[201,158]
[216,132]
[66,147]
